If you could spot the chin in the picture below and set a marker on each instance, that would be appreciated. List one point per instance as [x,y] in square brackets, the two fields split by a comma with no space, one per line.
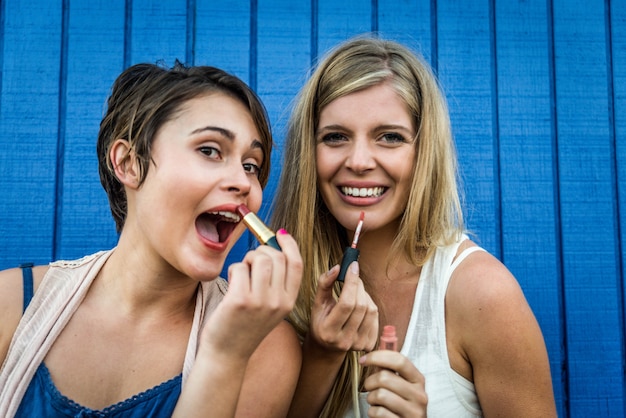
[205,269]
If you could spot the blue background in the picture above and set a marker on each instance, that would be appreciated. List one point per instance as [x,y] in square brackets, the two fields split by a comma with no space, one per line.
[537,94]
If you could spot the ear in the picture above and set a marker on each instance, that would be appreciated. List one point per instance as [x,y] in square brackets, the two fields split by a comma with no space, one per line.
[124,163]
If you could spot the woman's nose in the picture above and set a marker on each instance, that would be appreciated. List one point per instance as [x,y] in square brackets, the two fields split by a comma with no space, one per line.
[361,158]
[237,179]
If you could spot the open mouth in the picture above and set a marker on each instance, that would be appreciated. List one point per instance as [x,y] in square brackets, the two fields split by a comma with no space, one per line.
[216,226]
[363,191]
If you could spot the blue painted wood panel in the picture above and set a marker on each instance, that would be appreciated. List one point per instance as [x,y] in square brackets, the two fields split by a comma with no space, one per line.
[537,94]
[465,67]
[29,129]
[92,46]
[530,239]
[223,35]
[158,31]
[617,83]
[284,56]
[587,209]
[337,20]
[407,21]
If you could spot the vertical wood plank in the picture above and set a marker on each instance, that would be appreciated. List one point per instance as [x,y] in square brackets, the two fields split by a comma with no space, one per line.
[29,110]
[465,69]
[408,22]
[223,35]
[618,61]
[158,31]
[529,218]
[587,210]
[95,57]
[284,58]
[338,21]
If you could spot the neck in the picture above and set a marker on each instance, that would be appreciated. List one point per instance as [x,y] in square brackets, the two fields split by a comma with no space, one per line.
[377,263]
[135,284]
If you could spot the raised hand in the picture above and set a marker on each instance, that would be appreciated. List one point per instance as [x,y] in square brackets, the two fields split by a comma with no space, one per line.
[262,290]
[227,378]
[349,323]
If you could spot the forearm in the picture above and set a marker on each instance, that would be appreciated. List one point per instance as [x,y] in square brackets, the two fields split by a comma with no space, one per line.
[212,388]
[317,377]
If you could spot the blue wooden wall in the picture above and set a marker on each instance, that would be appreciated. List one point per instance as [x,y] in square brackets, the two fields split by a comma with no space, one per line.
[537,93]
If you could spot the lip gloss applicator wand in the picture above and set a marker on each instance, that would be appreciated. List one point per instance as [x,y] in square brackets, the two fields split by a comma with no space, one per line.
[351,253]
[257,227]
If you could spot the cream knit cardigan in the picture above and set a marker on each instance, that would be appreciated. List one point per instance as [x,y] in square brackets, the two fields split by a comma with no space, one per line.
[57,298]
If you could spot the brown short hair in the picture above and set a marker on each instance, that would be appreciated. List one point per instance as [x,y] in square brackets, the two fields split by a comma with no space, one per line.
[144,97]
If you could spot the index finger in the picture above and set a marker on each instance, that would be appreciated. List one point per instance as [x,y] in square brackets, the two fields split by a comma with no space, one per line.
[395,361]
[294,261]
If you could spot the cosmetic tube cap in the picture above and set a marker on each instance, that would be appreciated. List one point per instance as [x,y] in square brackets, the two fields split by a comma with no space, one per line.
[350,255]
[273,243]
[389,341]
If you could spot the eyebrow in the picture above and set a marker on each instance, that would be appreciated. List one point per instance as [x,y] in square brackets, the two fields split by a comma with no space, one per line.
[228,134]
[224,132]
[330,128]
[394,127]
[401,127]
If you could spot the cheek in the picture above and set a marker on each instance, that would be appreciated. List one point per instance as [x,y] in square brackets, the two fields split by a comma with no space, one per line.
[325,165]
[255,198]
[402,164]
[324,176]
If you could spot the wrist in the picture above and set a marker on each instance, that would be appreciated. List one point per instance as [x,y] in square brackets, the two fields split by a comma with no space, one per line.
[313,350]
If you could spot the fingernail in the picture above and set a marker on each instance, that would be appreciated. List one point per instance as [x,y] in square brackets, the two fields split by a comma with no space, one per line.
[282,231]
[332,270]
[362,359]
[354,267]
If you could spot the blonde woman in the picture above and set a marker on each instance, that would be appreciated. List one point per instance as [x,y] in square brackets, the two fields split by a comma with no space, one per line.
[370,132]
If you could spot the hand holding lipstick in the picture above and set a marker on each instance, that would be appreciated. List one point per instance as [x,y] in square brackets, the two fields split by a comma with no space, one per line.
[262,290]
[349,322]
[396,385]
[394,373]
[248,322]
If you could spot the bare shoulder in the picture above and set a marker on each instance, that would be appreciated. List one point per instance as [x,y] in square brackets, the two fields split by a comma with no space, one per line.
[272,374]
[485,297]
[492,327]
[484,278]
[12,302]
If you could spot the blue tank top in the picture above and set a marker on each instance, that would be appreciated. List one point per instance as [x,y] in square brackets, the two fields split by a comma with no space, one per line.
[42,399]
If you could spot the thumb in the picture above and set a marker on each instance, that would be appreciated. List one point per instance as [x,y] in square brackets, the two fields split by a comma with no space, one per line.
[352,273]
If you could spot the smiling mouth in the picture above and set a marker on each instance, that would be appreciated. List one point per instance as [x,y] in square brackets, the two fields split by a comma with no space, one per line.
[217,226]
[363,191]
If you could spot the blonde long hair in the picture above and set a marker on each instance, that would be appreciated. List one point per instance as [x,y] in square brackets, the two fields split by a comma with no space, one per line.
[433,215]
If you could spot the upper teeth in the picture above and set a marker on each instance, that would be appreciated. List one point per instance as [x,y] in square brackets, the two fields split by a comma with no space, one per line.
[363,191]
[230,216]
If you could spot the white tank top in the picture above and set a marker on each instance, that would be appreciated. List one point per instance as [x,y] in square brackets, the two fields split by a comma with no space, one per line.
[449,393]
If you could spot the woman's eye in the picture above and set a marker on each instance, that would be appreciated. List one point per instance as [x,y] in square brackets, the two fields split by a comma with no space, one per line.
[334,137]
[253,169]
[392,138]
[210,152]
